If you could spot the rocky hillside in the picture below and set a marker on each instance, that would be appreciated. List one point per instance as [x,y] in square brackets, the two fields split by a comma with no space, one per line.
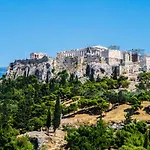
[46,67]
[42,68]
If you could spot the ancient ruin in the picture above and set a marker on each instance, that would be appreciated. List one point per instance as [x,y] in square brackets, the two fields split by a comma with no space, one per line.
[104,61]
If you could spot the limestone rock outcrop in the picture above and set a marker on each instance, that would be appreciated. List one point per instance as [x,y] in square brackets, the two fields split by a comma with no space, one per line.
[53,141]
[42,68]
[46,68]
[101,70]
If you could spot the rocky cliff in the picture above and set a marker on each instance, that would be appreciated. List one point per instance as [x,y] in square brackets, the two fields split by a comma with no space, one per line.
[42,68]
[47,68]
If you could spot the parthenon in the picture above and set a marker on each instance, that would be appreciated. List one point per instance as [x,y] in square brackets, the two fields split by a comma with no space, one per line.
[128,62]
[94,50]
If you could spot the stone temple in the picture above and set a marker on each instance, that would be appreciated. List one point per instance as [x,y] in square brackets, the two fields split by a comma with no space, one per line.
[128,63]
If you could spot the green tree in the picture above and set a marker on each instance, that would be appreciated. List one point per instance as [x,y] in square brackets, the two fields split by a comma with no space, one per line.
[88,71]
[123,82]
[57,114]
[97,137]
[4,116]
[92,75]
[144,81]
[115,73]
[98,78]
[146,141]
[102,105]
[23,115]
[131,147]
[71,79]
[48,120]
[23,143]
[63,77]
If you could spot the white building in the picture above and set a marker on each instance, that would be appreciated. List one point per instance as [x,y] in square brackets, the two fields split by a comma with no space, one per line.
[145,64]
[126,58]
[112,57]
[37,55]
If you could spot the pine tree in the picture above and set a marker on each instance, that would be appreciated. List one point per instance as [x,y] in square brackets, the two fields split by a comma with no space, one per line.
[47,76]
[92,75]
[4,116]
[115,74]
[57,114]
[71,77]
[146,141]
[88,71]
[64,76]
[76,79]
[48,120]
[52,84]
[98,78]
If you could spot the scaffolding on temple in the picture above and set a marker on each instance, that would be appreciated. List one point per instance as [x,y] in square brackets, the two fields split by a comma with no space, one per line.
[114,47]
[137,51]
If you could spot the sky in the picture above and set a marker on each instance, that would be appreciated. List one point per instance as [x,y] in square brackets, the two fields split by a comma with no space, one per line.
[50,26]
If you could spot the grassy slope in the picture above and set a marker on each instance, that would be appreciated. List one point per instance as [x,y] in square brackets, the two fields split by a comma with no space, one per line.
[115,115]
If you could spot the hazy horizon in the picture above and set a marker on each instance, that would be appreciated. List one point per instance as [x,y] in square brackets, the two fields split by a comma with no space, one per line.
[2,71]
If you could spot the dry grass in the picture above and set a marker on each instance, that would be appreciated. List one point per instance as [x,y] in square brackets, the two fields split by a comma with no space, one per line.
[80,119]
[118,114]
[143,115]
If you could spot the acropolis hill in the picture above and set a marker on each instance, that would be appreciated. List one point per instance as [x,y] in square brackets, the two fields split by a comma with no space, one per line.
[101,60]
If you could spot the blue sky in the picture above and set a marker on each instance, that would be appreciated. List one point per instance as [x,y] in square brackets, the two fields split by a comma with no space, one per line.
[50,26]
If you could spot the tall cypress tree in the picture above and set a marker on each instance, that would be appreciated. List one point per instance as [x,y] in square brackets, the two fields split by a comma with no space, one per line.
[98,78]
[71,77]
[92,75]
[57,114]
[114,74]
[76,79]
[88,71]
[48,120]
